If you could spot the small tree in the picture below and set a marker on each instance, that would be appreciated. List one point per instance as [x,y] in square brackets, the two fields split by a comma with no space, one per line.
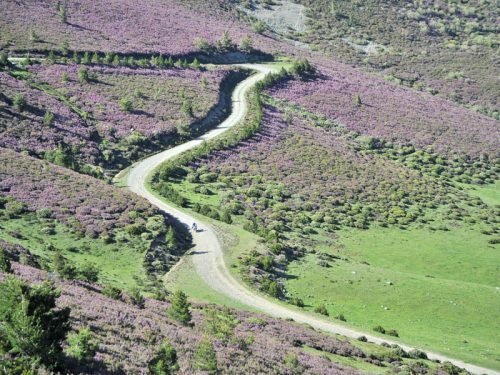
[61,12]
[19,102]
[62,266]
[83,75]
[226,41]
[76,57]
[52,57]
[5,265]
[259,27]
[165,360]
[86,58]
[4,58]
[32,329]
[48,118]
[195,64]
[202,44]
[179,308]
[246,44]
[82,345]
[136,298]
[187,108]
[205,358]
[126,105]
[358,101]
[96,59]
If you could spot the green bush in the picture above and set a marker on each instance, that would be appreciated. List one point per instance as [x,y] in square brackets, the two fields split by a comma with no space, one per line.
[82,345]
[205,358]
[179,308]
[5,265]
[112,292]
[165,360]
[19,102]
[126,105]
[136,298]
[89,272]
[321,309]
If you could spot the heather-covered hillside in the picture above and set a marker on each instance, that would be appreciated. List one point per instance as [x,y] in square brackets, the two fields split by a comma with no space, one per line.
[154,26]
[370,106]
[103,115]
[444,47]
[128,336]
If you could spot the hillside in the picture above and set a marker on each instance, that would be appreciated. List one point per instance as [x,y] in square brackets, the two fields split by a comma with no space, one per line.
[173,171]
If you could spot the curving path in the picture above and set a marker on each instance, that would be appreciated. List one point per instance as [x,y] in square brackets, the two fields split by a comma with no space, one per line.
[208,255]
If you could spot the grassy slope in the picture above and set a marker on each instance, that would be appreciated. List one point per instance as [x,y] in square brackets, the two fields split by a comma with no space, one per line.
[118,263]
[443,296]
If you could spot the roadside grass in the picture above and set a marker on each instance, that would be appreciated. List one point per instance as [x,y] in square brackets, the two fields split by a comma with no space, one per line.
[119,264]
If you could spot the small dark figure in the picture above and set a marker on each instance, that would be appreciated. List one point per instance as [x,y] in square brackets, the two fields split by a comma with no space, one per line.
[194,227]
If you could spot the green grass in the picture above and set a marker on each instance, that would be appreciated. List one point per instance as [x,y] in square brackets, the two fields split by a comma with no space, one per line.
[443,296]
[439,290]
[120,264]
[490,194]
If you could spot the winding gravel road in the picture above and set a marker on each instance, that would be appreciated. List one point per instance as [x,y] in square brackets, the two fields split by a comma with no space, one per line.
[207,254]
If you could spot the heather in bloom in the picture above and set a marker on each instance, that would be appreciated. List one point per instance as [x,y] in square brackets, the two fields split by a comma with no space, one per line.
[134,339]
[371,106]
[167,27]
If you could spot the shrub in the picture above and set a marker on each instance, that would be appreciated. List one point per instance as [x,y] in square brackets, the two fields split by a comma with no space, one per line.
[32,329]
[19,102]
[273,289]
[259,27]
[4,58]
[220,324]
[225,217]
[5,265]
[321,309]
[379,329]
[202,44]
[362,339]
[187,108]
[89,272]
[62,13]
[341,317]
[246,44]
[82,345]
[417,354]
[392,332]
[62,266]
[205,358]
[126,105]
[112,292]
[48,118]
[292,361]
[165,360]
[297,302]
[83,75]
[136,298]
[179,308]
